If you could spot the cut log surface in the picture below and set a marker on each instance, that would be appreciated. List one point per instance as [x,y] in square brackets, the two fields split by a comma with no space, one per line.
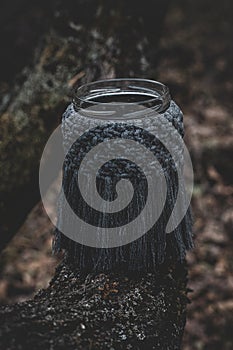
[103,311]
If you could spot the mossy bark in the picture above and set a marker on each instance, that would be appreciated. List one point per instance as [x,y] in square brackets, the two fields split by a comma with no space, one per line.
[103,311]
[84,41]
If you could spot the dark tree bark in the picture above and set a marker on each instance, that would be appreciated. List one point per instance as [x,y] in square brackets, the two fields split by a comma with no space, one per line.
[82,41]
[103,311]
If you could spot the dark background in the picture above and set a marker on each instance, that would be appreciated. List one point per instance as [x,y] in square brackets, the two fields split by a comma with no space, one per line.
[189,48]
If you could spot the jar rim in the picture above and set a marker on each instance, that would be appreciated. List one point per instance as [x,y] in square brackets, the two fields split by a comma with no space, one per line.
[157,91]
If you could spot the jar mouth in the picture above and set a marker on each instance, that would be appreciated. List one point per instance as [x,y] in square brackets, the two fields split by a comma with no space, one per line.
[134,92]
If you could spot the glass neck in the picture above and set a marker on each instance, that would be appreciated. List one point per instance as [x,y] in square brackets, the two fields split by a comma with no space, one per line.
[121,98]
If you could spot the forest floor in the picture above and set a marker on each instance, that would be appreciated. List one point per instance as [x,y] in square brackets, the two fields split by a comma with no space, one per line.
[194,61]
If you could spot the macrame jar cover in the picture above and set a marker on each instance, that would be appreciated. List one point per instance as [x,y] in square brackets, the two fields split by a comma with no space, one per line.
[149,251]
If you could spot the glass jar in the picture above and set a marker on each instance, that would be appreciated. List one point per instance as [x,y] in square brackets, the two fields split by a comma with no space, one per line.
[120,177]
